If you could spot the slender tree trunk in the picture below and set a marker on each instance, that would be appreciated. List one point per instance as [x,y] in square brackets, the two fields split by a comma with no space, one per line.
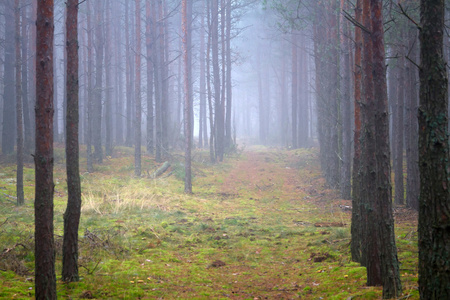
[398,134]
[26,108]
[157,73]
[412,151]
[229,85]
[149,43]
[216,75]
[129,135]
[137,124]
[73,210]
[19,108]
[356,172]
[97,107]
[434,212]
[203,132]
[294,89]
[212,129]
[9,128]
[90,167]
[346,109]
[186,19]
[108,81]
[45,278]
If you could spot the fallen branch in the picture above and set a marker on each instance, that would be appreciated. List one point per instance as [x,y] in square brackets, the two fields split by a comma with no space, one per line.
[161,170]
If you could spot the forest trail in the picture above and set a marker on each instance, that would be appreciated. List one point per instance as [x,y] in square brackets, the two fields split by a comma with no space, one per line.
[260,225]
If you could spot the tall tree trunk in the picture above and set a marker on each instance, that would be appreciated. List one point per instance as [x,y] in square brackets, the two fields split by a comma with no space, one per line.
[434,212]
[45,278]
[19,108]
[26,107]
[157,73]
[73,210]
[137,121]
[119,108]
[202,132]
[346,108]
[382,263]
[412,151]
[294,89]
[216,75]
[356,172]
[149,48]
[212,130]
[109,99]
[229,85]
[9,128]
[186,20]
[97,107]
[90,100]
[398,133]
[129,135]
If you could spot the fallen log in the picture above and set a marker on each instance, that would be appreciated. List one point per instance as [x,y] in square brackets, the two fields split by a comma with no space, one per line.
[161,170]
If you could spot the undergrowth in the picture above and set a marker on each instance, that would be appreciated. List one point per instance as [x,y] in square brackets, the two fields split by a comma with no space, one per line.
[260,225]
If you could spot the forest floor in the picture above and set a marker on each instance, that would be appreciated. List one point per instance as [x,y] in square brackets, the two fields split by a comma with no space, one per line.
[260,225]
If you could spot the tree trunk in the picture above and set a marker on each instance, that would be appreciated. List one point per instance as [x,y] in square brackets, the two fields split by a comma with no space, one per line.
[149,43]
[294,89]
[216,75]
[202,132]
[45,278]
[212,130]
[157,73]
[19,108]
[109,100]
[186,19]
[356,233]
[137,121]
[97,107]
[229,85]
[434,212]
[90,167]
[9,128]
[73,210]
[382,263]
[26,107]
[398,134]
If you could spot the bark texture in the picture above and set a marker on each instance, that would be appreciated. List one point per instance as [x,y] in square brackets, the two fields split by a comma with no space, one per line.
[434,209]
[45,278]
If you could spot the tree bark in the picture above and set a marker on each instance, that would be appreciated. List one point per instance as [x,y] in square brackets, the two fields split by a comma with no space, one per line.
[138,117]
[294,89]
[109,99]
[186,19]
[45,278]
[97,106]
[73,210]
[434,209]
[149,51]
[19,108]
[9,128]
[355,246]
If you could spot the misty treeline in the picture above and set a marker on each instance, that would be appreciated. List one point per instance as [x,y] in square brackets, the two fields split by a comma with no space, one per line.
[168,74]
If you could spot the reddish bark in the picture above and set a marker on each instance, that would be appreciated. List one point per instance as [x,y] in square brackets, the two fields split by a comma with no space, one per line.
[73,210]
[45,279]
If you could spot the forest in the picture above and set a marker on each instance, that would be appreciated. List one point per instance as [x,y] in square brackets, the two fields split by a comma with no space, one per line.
[224,149]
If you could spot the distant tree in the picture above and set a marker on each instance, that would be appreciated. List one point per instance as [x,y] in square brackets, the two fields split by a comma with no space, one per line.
[149,52]
[109,99]
[294,83]
[186,13]
[73,210]
[25,81]
[45,278]
[398,129]
[434,209]
[9,128]
[138,117]
[19,107]
[97,105]
[90,90]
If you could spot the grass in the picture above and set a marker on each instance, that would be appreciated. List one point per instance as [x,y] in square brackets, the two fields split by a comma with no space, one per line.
[247,232]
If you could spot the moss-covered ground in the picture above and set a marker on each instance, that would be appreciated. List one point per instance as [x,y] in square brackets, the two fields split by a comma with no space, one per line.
[260,225]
